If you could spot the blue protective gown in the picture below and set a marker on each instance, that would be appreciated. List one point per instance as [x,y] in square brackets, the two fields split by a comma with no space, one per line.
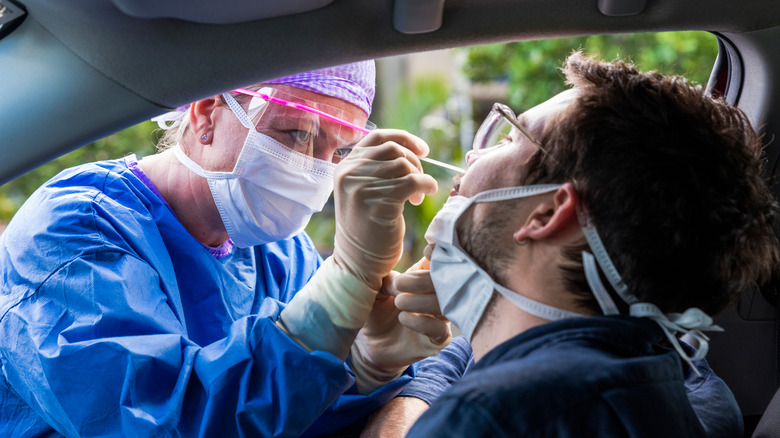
[114,320]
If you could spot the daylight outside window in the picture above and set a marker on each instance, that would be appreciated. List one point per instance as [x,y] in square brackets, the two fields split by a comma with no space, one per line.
[440,96]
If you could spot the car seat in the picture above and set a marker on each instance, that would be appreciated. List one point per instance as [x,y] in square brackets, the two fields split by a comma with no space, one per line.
[745,355]
[769,426]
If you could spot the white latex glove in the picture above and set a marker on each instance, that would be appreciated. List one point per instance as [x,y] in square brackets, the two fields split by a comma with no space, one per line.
[371,186]
[404,327]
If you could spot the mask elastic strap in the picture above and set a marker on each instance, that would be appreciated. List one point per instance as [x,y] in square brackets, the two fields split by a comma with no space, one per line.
[196,169]
[507,193]
[534,307]
[596,286]
[504,194]
[238,111]
[602,257]
[692,322]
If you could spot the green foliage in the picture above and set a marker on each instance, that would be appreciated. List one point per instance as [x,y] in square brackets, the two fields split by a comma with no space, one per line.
[532,73]
[415,101]
[425,107]
[139,139]
[421,110]
[532,68]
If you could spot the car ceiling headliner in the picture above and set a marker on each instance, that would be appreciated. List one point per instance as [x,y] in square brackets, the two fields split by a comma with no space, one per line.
[154,57]
[83,69]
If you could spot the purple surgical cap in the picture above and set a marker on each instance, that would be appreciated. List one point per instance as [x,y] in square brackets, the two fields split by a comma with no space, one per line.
[354,83]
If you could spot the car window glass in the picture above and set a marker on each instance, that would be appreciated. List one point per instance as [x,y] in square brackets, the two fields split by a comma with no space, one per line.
[441,96]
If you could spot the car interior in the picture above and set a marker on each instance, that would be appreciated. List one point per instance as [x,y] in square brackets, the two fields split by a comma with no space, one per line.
[74,72]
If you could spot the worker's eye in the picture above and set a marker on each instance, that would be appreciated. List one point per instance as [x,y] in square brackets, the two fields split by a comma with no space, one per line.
[340,154]
[301,135]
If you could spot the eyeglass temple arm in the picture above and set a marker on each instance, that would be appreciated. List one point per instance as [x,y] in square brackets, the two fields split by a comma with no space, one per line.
[513,120]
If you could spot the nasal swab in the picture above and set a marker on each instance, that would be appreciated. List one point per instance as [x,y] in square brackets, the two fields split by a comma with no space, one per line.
[440,164]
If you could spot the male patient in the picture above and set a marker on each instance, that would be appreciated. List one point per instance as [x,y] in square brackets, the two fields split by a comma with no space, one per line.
[632,199]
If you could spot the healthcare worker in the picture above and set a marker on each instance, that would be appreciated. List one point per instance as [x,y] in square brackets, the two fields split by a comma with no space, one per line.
[147,297]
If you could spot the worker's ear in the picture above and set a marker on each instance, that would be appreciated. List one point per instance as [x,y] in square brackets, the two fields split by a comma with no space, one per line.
[550,216]
[202,119]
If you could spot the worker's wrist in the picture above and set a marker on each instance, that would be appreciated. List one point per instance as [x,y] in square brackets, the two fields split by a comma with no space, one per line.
[369,266]
[329,311]
[368,377]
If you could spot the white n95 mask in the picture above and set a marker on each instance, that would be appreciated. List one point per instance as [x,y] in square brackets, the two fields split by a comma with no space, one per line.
[272,191]
[462,287]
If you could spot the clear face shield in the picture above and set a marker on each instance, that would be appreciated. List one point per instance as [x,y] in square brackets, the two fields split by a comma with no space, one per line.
[310,128]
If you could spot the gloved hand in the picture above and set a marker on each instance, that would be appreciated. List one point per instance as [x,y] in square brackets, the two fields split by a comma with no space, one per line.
[404,327]
[371,186]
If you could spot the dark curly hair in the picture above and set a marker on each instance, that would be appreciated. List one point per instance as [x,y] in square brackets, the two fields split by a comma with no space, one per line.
[672,179]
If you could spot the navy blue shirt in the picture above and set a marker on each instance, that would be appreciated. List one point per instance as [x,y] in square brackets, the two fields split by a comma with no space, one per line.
[597,376]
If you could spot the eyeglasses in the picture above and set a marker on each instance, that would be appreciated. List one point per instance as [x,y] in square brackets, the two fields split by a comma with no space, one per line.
[500,127]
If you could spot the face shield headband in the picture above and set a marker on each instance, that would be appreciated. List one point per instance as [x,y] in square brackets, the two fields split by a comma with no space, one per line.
[304,126]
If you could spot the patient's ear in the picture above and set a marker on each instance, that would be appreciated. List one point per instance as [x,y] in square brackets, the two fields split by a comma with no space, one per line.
[550,216]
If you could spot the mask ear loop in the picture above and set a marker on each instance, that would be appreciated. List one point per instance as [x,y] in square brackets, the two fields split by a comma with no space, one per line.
[594,281]
[606,303]
[692,322]
[171,119]
[531,306]
[507,193]
[195,167]
[602,257]
[238,111]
